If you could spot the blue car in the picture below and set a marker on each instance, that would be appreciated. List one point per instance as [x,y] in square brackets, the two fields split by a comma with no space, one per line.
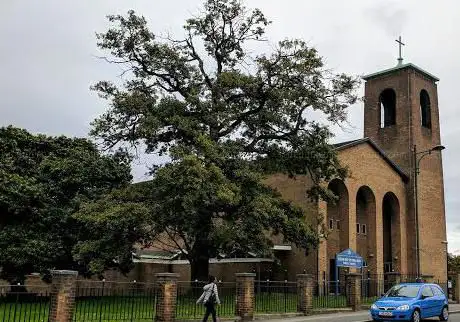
[411,302]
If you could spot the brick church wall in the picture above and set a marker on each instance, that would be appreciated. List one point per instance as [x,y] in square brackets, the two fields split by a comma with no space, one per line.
[397,141]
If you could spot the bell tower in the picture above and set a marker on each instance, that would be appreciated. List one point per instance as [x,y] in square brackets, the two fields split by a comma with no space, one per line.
[401,116]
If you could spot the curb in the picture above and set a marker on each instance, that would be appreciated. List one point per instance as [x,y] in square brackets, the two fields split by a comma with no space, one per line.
[266,317]
[288,316]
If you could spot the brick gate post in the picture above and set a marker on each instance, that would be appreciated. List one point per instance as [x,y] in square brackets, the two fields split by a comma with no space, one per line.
[305,293]
[63,288]
[166,297]
[245,296]
[354,291]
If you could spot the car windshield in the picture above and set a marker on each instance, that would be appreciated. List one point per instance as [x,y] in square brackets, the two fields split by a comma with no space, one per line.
[403,291]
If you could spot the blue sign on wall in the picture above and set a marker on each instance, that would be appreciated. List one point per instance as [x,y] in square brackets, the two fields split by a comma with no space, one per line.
[349,258]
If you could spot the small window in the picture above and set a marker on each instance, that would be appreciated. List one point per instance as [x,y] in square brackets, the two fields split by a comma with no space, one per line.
[331,224]
[357,228]
[427,292]
[364,263]
[387,108]
[363,229]
[425,109]
[338,224]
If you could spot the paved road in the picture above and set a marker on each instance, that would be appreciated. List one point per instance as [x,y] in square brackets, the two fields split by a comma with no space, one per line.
[349,317]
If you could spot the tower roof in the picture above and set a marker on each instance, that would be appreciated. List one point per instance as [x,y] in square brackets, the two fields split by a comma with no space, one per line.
[401,67]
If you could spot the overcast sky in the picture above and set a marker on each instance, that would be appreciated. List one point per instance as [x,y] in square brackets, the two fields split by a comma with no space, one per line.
[48,49]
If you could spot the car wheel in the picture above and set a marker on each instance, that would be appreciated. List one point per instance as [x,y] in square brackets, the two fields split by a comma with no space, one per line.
[444,314]
[416,316]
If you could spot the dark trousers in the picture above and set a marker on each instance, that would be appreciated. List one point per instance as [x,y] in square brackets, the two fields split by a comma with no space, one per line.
[210,309]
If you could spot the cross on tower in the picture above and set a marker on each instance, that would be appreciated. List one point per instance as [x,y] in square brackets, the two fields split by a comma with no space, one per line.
[399,41]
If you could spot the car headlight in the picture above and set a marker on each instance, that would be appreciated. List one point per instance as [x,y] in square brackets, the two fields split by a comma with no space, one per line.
[374,307]
[404,307]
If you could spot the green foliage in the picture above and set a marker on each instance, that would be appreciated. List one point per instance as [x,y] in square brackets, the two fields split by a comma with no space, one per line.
[227,119]
[111,226]
[453,263]
[42,182]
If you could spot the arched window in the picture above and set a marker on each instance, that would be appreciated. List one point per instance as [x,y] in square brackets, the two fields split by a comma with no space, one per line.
[425,109]
[387,108]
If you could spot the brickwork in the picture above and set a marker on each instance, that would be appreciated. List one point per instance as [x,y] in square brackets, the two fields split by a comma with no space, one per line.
[305,293]
[398,141]
[368,171]
[353,287]
[166,297]
[295,261]
[338,238]
[62,304]
[245,296]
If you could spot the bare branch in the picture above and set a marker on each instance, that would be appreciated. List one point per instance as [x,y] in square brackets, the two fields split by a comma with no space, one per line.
[195,55]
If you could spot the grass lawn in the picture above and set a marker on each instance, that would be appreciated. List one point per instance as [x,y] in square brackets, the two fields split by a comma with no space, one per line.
[141,308]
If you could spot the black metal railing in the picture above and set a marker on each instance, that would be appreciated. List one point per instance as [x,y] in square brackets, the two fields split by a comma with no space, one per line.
[114,301]
[131,301]
[372,289]
[327,296]
[404,278]
[275,297]
[18,304]
[189,292]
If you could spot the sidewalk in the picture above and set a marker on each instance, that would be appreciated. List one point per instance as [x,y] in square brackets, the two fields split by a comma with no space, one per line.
[342,316]
[454,308]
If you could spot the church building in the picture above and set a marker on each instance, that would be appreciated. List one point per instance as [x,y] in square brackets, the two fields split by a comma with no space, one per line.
[390,210]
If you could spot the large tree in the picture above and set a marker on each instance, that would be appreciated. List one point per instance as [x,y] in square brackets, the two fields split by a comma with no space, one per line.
[43,180]
[226,118]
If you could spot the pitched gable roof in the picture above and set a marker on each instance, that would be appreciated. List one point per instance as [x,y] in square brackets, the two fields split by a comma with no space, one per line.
[392,164]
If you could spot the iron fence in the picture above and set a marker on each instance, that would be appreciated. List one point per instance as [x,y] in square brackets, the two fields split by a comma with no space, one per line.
[120,301]
[404,278]
[275,297]
[115,301]
[329,294]
[20,305]
[372,289]
[189,292]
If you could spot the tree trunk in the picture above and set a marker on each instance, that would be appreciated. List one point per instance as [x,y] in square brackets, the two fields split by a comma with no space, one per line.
[199,267]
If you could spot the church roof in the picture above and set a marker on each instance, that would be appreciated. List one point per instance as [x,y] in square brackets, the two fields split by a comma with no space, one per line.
[400,67]
[349,144]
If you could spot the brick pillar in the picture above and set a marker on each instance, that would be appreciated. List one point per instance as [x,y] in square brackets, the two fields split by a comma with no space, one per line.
[353,286]
[456,288]
[393,278]
[63,288]
[245,296]
[166,297]
[305,293]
